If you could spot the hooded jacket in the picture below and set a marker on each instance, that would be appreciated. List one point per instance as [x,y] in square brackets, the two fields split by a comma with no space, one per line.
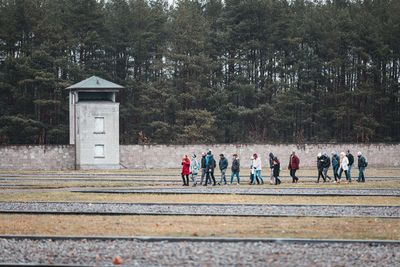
[223,163]
[235,165]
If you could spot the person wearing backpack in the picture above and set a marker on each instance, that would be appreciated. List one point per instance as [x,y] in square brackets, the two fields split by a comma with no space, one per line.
[235,168]
[194,169]
[362,164]
[351,162]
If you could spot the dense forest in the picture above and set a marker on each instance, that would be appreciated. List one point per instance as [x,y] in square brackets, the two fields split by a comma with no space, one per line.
[205,71]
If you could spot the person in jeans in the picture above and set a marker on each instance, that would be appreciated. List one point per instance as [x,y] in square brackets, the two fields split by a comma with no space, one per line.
[271,167]
[223,165]
[294,163]
[203,167]
[235,168]
[185,170]
[362,164]
[210,166]
[351,162]
[344,166]
[325,165]
[335,165]
[257,168]
[194,169]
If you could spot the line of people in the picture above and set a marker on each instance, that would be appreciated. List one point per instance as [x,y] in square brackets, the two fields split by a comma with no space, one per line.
[207,165]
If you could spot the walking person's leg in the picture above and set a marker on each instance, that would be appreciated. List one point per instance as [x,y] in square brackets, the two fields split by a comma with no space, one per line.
[271,176]
[232,175]
[213,177]
[183,179]
[349,173]
[259,175]
[291,174]
[187,179]
[238,177]
[207,178]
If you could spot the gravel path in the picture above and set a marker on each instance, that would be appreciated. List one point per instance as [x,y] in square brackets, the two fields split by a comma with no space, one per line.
[251,191]
[185,253]
[201,209]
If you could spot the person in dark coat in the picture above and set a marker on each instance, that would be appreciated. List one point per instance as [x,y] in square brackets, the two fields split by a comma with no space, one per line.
[276,171]
[362,164]
[235,168]
[294,163]
[185,170]
[203,167]
[326,163]
[210,166]
[320,163]
[351,162]
[335,165]
[223,165]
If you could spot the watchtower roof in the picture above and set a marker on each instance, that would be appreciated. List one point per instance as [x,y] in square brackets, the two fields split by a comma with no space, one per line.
[95,83]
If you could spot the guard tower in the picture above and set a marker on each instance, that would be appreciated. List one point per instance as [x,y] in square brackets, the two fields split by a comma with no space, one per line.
[94,123]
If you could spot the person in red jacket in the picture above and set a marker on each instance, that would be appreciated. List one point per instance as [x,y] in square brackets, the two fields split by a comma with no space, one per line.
[294,163]
[185,170]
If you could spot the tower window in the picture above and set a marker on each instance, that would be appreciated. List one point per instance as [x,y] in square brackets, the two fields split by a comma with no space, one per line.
[99,125]
[99,151]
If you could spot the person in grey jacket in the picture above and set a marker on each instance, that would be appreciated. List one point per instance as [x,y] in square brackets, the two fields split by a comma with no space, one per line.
[223,165]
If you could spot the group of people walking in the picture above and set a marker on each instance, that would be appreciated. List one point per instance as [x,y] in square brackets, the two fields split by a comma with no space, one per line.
[206,166]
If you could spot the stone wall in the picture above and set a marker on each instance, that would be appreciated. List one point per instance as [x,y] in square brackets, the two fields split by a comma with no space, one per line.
[164,156]
[54,157]
[32,157]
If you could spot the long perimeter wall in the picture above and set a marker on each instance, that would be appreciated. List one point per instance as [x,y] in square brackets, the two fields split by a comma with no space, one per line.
[62,157]
[163,156]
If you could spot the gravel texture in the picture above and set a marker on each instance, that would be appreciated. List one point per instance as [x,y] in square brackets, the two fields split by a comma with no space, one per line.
[185,253]
[252,191]
[202,209]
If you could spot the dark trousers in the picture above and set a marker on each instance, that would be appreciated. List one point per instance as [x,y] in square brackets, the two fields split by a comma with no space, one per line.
[346,173]
[335,172]
[209,176]
[254,178]
[277,180]
[293,174]
[321,174]
[187,179]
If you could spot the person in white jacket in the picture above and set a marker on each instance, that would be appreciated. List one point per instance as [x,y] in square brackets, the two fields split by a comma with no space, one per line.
[257,168]
[344,166]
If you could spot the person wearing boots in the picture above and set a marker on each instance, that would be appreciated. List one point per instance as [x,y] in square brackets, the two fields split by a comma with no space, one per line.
[294,163]
[185,170]
[235,168]
[223,165]
[277,168]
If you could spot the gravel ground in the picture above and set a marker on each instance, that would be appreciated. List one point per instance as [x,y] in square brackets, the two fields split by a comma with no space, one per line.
[212,209]
[251,191]
[186,253]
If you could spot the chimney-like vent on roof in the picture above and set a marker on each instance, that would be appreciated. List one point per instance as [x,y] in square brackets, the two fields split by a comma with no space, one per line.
[97,81]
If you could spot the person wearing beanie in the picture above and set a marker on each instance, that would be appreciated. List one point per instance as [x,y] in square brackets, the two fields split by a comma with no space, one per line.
[223,165]
[362,164]
[194,169]
[185,170]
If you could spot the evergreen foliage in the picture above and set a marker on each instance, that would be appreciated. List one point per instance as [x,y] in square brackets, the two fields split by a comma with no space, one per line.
[205,71]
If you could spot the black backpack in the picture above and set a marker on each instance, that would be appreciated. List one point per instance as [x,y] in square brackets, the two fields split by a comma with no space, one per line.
[351,159]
